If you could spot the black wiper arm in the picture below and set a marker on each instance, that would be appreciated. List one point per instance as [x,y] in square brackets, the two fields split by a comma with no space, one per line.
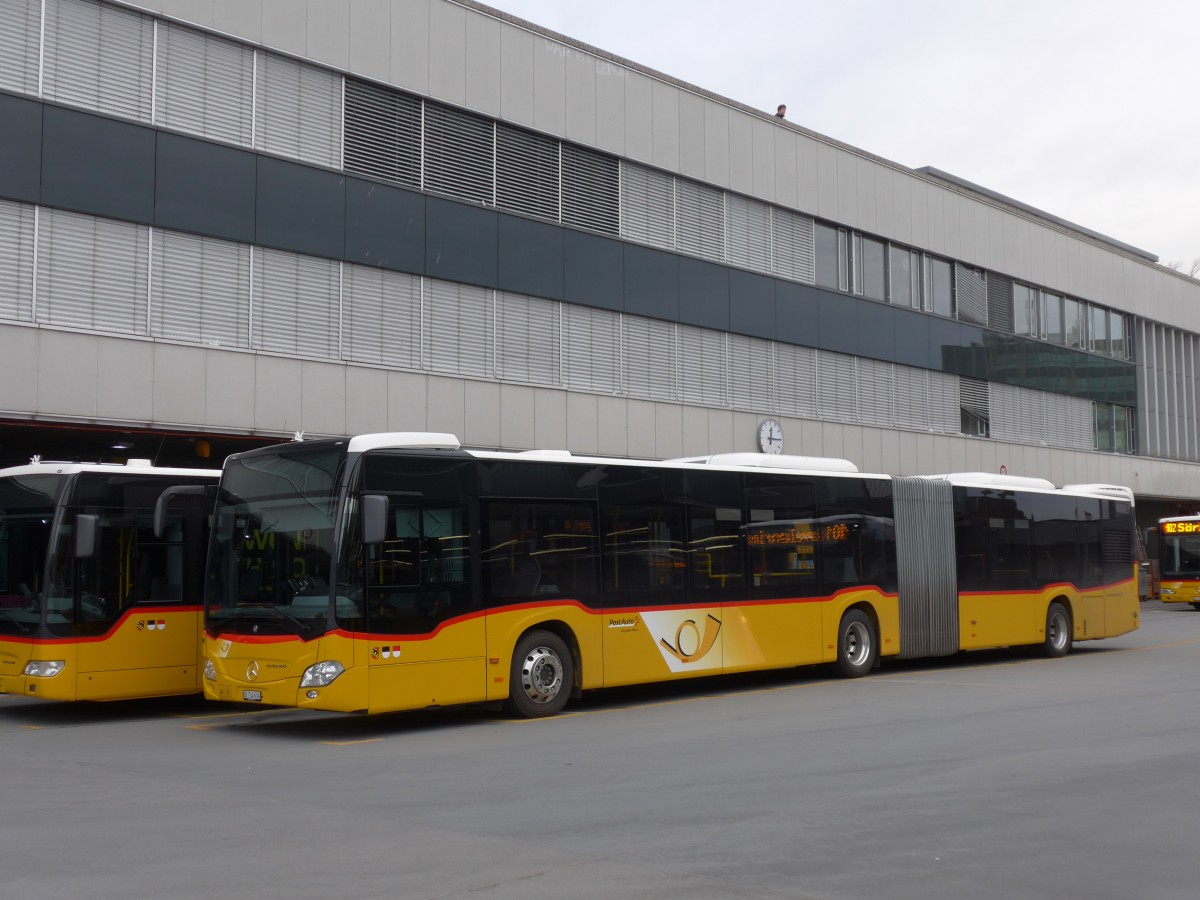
[250,612]
[25,629]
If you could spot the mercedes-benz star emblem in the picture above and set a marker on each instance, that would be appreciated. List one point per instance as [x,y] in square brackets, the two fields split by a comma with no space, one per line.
[252,671]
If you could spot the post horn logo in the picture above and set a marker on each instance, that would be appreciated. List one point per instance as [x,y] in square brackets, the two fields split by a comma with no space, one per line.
[690,645]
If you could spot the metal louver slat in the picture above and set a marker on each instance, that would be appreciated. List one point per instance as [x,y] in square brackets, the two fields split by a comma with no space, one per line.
[459,154]
[527,341]
[527,176]
[795,380]
[16,261]
[649,358]
[876,402]
[944,411]
[295,304]
[1004,402]
[970,289]
[793,249]
[200,290]
[699,220]
[100,57]
[205,85]
[748,230]
[91,273]
[1000,302]
[750,373]
[911,392]
[836,396]
[381,317]
[590,190]
[458,327]
[383,133]
[591,349]
[299,111]
[703,366]
[973,396]
[647,206]
[20,25]
[1069,422]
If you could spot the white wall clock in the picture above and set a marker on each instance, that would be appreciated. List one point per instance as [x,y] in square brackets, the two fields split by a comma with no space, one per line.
[770,436]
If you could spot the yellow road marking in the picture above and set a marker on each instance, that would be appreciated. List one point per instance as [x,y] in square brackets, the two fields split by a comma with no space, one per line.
[260,711]
[33,727]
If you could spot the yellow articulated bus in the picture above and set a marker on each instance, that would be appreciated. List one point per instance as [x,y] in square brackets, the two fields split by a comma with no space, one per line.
[398,571]
[1179,560]
[93,605]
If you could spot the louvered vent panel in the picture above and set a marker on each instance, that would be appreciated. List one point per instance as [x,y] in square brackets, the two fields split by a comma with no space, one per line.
[911,392]
[836,383]
[944,412]
[703,367]
[796,380]
[748,230]
[20,25]
[527,178]
[876,401]
[16,261]
[1000,302]
[591,349]
[91,273]
[647,206]
[295,304]
[459,327]
[649,357]
[205,85]
[200,290]
[383,134]
[459,154]
[751,368]
[1069,422]
[100,57]
[590,190]
[299,112]
[1004,402]
[970,288]
[793,250]
[527,346]
[700,220]
[381,317]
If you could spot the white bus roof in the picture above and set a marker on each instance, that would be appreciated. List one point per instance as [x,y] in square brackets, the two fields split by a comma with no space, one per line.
[139,466]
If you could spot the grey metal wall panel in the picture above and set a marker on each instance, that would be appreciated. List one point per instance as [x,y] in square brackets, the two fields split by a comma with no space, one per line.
[665,126]
[516,74]
[300,208]
[204,187]
[927,575]
[877,331]
[97,165]
[751,304]
[21,149]
[483,84]
[329,33]
[385,226]
[796,318]
[610,106]
[651,283]
[448,53]
[461,242]
[703,294]
[593,270]
[531,258]
[838,321]
[370,44]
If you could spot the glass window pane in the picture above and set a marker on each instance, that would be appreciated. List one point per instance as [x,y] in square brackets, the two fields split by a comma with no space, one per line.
[826,243]
[938,286]
[901,276]
[1023,323]
[1052,317]
[1104,420]
[1116,334]
[874,269]
[1099,329]
[1073,323]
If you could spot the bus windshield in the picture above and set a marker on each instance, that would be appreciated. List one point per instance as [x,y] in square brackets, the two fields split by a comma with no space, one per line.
[27,506]
[1179,555]
[272,539]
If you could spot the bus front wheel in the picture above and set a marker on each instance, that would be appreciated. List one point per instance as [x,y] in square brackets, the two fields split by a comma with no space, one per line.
[542,676]
[858,645]
[1058,631]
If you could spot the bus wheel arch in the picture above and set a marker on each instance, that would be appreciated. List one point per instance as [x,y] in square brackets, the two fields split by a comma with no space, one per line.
[1059,633]
[544,673]
[857,642]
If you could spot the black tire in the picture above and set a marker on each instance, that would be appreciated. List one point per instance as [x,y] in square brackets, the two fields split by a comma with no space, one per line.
[1059,633]
[542,676]
[1196,606]
[858,644]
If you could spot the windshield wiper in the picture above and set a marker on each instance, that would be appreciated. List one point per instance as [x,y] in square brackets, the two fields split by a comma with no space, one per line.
[252,612]
[25,629]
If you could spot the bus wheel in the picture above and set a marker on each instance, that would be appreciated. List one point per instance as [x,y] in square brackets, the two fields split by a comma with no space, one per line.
[1196,606]
[857,644]
[542,676]
[1058,631]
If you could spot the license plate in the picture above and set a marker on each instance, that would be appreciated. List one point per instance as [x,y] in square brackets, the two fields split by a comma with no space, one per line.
[252,695]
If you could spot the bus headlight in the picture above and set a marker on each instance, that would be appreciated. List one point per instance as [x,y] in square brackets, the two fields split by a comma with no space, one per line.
[1168,591]
[210,671]
[45,668]
[321,674]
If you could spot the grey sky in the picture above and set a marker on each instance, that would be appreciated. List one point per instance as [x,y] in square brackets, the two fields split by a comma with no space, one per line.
[1084,109]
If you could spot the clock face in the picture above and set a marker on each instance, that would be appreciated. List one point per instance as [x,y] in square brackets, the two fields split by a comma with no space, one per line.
[770,436]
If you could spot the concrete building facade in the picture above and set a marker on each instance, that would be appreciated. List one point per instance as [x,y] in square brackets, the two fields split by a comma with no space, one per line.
[262,217]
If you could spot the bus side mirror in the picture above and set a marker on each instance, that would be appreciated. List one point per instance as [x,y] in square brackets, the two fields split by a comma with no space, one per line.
[85,535]
[179,490]
[374,518]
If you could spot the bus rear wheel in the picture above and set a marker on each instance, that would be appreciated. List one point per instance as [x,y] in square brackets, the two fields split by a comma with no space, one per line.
[1058,631]
[858,644]
[542,676]
[1196,606]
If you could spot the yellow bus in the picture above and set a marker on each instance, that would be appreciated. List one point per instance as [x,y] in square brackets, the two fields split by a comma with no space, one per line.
[93,605]
[1179,560]
[399,571]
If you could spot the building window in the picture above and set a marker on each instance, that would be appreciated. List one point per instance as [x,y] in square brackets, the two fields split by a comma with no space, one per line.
[939,292]
[1118,345]
[905,273]
[870,268]
[1073,323]
[1052,317]
[830,245]
[1099,331]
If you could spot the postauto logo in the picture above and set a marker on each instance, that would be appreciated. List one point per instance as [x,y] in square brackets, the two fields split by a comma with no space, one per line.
[685,638]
